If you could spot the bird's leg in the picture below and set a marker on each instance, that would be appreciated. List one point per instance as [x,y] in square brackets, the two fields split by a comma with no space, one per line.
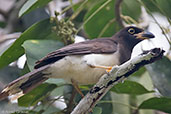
[107,68]
[77,88]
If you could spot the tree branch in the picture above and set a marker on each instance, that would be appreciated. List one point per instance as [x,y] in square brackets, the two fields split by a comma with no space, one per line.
[116,75]
[118,12]
[3,13]
[13,17]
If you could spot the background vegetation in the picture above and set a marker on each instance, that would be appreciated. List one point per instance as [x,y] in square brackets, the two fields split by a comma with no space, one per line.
[33,28]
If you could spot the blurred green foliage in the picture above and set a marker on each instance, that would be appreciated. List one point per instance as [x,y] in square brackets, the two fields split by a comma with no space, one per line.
[98,19]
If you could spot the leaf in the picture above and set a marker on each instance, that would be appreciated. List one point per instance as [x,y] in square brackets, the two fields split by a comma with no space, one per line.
[140,72]
[129,6]
[150,6]
[160,74]
[40,30]
[36,49]
[160,6]
[118,101]
[130,87]
[162,104]
[60,83]
[164,6]
[86,7]
[97,110]
[8,74]
[31,5]
[37,94]
[107,105]
[96,24]
[56,81]
[25,112]
[45,108]
[103,23]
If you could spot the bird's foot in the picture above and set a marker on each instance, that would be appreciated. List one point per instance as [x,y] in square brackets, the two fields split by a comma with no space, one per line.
[107,68]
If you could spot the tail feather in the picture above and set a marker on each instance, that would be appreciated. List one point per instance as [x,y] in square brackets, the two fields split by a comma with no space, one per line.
[25,83]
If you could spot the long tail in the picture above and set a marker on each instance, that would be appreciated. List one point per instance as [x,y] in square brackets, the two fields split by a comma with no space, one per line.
[25,83]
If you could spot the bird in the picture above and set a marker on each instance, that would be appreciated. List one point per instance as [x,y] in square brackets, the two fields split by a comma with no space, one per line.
[81,63]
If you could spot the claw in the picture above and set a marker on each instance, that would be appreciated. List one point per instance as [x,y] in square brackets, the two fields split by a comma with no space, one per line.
[108,69]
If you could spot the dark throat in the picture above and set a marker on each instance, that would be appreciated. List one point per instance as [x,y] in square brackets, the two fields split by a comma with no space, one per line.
[125,48]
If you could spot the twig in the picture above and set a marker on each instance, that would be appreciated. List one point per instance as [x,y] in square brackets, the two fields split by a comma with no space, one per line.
[116,75]
[3,13]
[118,12]
[13,17]
[70,104]
[78,10]
[129,20]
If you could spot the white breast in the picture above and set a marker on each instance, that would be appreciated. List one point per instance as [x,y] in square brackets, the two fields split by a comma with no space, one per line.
[77,67]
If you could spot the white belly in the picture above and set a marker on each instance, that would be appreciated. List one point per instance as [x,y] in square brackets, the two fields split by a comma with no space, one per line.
[77,67]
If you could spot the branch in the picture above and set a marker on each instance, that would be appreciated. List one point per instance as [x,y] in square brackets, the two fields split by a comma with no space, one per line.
[118,12]
[13,16]
[116,75]
[3,13]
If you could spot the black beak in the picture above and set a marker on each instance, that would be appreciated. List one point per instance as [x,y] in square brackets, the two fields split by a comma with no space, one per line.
[144,35]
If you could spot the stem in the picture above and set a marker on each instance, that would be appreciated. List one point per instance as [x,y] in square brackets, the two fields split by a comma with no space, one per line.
[133,102]
[118,12]
[78,11]
[70,104]
[66,9]
[129,19]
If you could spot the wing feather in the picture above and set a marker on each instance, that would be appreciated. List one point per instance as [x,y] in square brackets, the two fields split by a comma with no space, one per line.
[96,46]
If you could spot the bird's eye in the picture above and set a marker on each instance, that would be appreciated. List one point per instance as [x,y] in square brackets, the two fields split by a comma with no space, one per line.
[131,31]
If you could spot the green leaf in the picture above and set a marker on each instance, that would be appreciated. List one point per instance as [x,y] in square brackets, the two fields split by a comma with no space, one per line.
[162,104]
[97,110]
[8,74]
[164,6]
[140,72]
[129,6]
[46,108]
[130,87]
[160,74]
[31,5]
[36,49]
[103,23]
[160,6]
[107,105]
[56,81]
[37,94]
[150,6]
[101,19]
[40,30]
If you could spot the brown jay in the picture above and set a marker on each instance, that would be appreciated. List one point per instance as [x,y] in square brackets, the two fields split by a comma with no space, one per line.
[81,63]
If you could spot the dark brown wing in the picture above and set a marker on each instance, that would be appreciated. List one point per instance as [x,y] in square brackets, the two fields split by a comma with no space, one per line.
[97,46]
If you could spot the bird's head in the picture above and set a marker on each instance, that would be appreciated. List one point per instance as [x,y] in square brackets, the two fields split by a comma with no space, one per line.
[133,35]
